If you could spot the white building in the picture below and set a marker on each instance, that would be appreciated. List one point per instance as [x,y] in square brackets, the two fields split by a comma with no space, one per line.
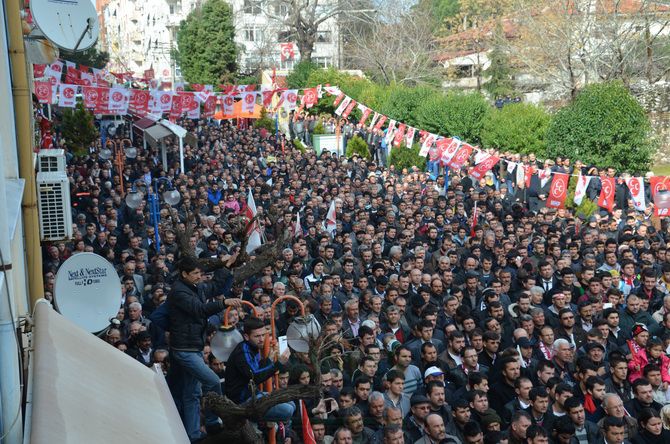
[139,35]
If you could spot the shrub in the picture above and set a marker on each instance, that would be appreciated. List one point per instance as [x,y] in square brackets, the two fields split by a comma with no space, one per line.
[299,76]
[319,129]
[356,145]
[586,209]
[299,145]
[265,122]
[403,157]
[454,114]
[604,126]
[518,127]
[78,129]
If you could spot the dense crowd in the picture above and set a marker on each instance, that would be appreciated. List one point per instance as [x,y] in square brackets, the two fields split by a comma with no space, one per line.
[526,324]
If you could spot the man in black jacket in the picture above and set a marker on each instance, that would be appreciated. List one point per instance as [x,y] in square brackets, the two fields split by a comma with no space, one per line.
[188,313]
[245,363]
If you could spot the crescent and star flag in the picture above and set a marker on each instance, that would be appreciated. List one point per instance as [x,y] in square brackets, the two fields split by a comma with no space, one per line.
[248,101]
[606,199]
[636,187]
[658,183]
[580,189]
[558,191]
[310,97]
[331,219]
[484,166]
[253,230]
[44,92]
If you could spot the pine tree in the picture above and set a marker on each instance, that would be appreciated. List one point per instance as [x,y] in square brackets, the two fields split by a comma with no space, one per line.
[78,129]
[499,72]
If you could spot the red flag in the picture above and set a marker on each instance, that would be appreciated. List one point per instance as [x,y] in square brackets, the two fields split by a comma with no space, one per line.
[38,70]
[149,74]
[287,51]
[309,98]
[484,166]
[267,98]
[307,432]
[91,95]
[176,108]
[558,191]
[72,75]
[197,87]
[606,199]
[139,101]
[209,108]
[380,123]
[102,105]
[349,109]
[399,134]
[44,92]
[658,183]
[338,99]
[461,156]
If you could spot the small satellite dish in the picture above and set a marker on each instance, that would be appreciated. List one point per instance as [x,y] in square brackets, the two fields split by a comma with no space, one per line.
[88,291]
[70,24]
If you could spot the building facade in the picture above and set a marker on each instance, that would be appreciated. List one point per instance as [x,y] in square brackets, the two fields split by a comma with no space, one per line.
[142,35]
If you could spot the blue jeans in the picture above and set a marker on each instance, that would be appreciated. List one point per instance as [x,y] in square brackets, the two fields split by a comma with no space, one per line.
[192,377]
[278,413]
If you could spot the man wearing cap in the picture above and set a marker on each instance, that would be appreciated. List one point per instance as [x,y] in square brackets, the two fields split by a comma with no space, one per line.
[414,424]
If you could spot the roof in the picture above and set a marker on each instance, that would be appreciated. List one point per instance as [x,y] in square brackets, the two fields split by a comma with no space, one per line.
[85,390]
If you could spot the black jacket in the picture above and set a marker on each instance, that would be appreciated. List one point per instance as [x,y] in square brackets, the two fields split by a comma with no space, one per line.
[188,313]
[244,364]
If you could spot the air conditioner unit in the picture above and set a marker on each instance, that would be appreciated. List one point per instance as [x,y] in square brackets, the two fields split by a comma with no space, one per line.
[51,161]
[53,192]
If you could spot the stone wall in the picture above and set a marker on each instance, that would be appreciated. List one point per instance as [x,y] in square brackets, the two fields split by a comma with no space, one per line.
[655,99]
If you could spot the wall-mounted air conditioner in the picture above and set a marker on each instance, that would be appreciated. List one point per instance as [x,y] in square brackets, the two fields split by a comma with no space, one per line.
[53,194]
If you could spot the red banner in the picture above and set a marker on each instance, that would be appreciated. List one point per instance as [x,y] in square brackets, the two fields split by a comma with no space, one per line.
[558,191]
[44,92]
[91,95]
[606,199]
[461,156]
[380,123]
[209,108]
[484,166]
[139,101]
[399,134]
[659,183]
[349,109]
[310,97]
[364,116]
[338,99]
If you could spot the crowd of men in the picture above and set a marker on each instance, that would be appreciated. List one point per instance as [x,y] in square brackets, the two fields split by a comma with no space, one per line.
[525,325]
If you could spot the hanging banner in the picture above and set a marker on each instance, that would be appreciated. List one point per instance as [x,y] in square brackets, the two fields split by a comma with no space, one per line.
[636,187]
[658,183]
[287,51]
[90,95]
[38,70]
[484,166]
[558,191]
[409,137]
[228,105]
[373,122]
[44,92]
[390,131]
[399,135]
[162,101]
[71,73]
[349,109]
[290,99]
[461,156]
[54,70]
[209,107]
[606,199]
[119,98]
[139,101]
[365,113]
[580,189]
[248,102]
[189,105]
[309,97]
[87,79]
[338,99]
[447,148]
[102,105]
[343,105]
[176,109]
[380,123]
[67,95]
[427,144]
[267,98]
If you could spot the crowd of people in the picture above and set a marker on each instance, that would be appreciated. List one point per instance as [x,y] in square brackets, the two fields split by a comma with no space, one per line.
[522,325]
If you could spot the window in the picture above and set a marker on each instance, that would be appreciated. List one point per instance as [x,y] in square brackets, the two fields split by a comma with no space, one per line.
[323,62]
[463,71]
[324,36]
[286,64]
[253,34]
[252,7]
[284,36]
[281,9]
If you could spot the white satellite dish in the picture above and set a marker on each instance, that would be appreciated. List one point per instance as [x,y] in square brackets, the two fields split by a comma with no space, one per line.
[70,24]
[88,291]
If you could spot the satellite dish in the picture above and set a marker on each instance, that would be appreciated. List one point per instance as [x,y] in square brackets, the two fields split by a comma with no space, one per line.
[300,331]
[88,291]
[70,24]
[224,342]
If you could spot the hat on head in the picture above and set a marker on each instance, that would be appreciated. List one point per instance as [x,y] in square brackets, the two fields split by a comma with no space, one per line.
[490,417]
[591,345]
[141,336]
[524,342]
[369,323]
[417,399]
[433,371]
[639,328]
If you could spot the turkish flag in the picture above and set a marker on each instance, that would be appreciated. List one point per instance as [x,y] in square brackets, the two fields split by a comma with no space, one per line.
[44,92]
[558,191]
[209,107]
[606,199]
[287,51]
[461,156]
[310,97]
[38,70]
[484,166]
[659,183]
[307,432]
[91,96]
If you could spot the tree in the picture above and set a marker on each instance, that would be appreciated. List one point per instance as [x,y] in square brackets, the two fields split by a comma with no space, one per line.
[79,130]
[90,57]
[403,102]
[403,157]
[207,52]
[302,19]
[518,127]
[398,47]
[299,77]
[604,126]
[356,145]
[440,11]
[499,82]
[454,114]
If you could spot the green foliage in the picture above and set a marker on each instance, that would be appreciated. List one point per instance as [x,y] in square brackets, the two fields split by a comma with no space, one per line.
[604,126]
[403,102]
[586,208]
[207,51]
[265,122]
[518,127]
[319,129]
[299,145]
[356,145]
[90,57]
[254,79]
[403,157]
[78,129]
[499,72]
[299,77]
[454,114]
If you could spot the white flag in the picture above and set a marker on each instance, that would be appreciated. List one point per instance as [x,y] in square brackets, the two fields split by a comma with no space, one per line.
[427,144]
[390,132]
[340,109]
[636,187]
[331,219]
[254,232]
[409,137]
[580,190]
[520,175]
[297,228]
[67,95]
[510,166]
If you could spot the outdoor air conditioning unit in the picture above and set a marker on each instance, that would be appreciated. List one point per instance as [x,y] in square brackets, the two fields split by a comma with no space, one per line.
[53,192]
[51,161]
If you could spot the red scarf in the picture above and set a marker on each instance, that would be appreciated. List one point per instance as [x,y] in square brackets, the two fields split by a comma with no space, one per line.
[633,347]
[589,405]
[546,351]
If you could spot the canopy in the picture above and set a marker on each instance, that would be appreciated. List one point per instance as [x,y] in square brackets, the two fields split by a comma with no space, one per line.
[85,390]
[156,133]
[238,114]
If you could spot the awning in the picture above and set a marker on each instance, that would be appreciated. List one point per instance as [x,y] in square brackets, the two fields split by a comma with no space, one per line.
[86,391]
[144,123]
[156,133]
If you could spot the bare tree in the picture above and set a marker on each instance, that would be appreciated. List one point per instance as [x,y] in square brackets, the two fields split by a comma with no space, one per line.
[303,18]
[398,47]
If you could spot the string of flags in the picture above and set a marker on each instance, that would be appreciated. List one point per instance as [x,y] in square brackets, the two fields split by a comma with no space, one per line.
[108,93]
